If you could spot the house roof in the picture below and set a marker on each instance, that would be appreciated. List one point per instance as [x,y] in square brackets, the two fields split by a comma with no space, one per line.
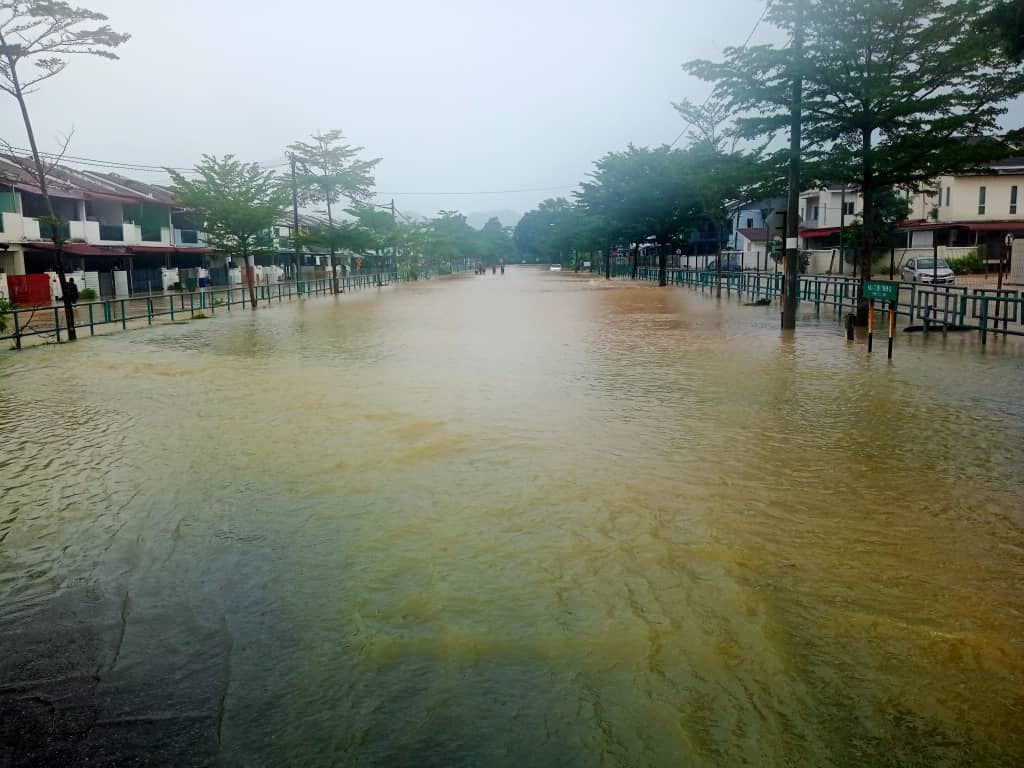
[67,182]
[754,234]
[971,226]
[819,232]
[81,249]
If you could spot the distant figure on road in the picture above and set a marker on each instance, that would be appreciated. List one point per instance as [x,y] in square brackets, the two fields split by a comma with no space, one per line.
[72,291]
[494,270]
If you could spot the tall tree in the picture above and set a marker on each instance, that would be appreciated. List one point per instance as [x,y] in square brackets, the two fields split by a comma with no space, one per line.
[496,241]
[45,33]
[238,203]
[1006,22]
[642,192]
[329,170]
[896,92]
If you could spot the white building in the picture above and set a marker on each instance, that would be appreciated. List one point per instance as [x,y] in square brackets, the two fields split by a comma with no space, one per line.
[110,223]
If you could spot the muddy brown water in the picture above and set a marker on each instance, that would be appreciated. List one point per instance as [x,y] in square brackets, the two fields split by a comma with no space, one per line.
[531,520]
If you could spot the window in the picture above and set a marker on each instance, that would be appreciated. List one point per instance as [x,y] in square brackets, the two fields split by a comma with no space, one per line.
[947,197]
[750,222]
[848,208]
[1013,199]
[939,192]
[981,200]
[911,264]
[816,211]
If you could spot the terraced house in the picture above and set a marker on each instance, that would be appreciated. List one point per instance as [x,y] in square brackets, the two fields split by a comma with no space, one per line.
[112,224]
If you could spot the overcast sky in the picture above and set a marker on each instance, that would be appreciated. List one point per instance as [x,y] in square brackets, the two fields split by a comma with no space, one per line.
[455,95]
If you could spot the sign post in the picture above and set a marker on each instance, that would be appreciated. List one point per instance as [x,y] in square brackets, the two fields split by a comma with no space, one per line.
[887,292]
[871,322]
[892,324]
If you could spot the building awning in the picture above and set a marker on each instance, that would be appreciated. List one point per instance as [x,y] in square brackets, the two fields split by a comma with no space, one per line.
[820,232]
[993,226]
[81,249]
[165,249]
[908,225]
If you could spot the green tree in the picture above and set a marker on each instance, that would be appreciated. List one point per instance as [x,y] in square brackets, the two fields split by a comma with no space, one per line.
[329,170]
[541,234]
[238,204]
[380,226]
[896,92]
[496,241]
[640,190]
[1006,22]
[45,33]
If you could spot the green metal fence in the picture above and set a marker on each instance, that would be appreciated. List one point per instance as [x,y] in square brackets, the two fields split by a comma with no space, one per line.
[939,307]
[91,315]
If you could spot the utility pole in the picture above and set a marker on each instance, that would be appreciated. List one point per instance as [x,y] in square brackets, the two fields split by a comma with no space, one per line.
[842,229]
[392,266]
[791,279]
[295,224]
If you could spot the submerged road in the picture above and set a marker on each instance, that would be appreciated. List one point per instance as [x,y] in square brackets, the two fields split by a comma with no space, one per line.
[536,519]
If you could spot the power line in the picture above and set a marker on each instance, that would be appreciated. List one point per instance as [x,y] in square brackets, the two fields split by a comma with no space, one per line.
[481,192]
[750,35]
[119,165]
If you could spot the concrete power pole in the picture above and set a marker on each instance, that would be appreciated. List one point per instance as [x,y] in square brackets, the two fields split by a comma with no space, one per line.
[791,279]
[295,223]
[394,242]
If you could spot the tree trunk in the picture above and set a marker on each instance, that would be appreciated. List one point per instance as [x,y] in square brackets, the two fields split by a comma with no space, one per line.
[55,222]
[335,288]
[867,244]
[250,278]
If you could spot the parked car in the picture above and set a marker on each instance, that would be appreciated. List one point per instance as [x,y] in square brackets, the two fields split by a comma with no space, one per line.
[556,267]
[927,271]
[729,264]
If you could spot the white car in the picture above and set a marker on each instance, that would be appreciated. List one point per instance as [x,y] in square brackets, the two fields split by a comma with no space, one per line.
[556,267]
[927,271]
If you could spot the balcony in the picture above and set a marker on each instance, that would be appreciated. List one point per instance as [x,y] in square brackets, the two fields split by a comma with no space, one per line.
[113,232]
[46,230]
[187,237]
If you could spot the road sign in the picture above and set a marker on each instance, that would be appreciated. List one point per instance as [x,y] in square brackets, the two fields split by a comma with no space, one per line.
[883,290]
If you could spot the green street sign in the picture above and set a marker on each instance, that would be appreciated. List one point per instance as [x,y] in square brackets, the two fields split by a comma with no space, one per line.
[883,290]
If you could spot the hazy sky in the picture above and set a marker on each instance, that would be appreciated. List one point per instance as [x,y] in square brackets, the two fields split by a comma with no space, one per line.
[454,95]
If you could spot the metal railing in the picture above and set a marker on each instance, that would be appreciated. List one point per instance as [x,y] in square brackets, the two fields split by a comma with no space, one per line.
[50,320]
[938,307]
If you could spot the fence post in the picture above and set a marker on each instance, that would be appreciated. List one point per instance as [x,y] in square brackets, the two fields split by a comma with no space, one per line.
[124,319]
[984,320]
[91,331]
[149,310]
[56,322]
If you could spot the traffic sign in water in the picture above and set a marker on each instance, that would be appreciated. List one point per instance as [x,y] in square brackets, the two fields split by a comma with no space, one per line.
[883,290]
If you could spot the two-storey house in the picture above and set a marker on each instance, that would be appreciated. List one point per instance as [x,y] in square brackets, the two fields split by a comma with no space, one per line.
[111,223]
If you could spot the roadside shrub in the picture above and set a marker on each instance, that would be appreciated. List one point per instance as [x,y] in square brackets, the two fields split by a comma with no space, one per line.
[5,307]
[87,294]
[199,315]
[965,264]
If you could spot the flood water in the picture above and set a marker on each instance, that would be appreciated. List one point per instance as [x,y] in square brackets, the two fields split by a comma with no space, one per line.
[531,520]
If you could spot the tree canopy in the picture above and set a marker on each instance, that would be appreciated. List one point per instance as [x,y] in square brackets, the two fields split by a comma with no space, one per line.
[237,202]
[896,92]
